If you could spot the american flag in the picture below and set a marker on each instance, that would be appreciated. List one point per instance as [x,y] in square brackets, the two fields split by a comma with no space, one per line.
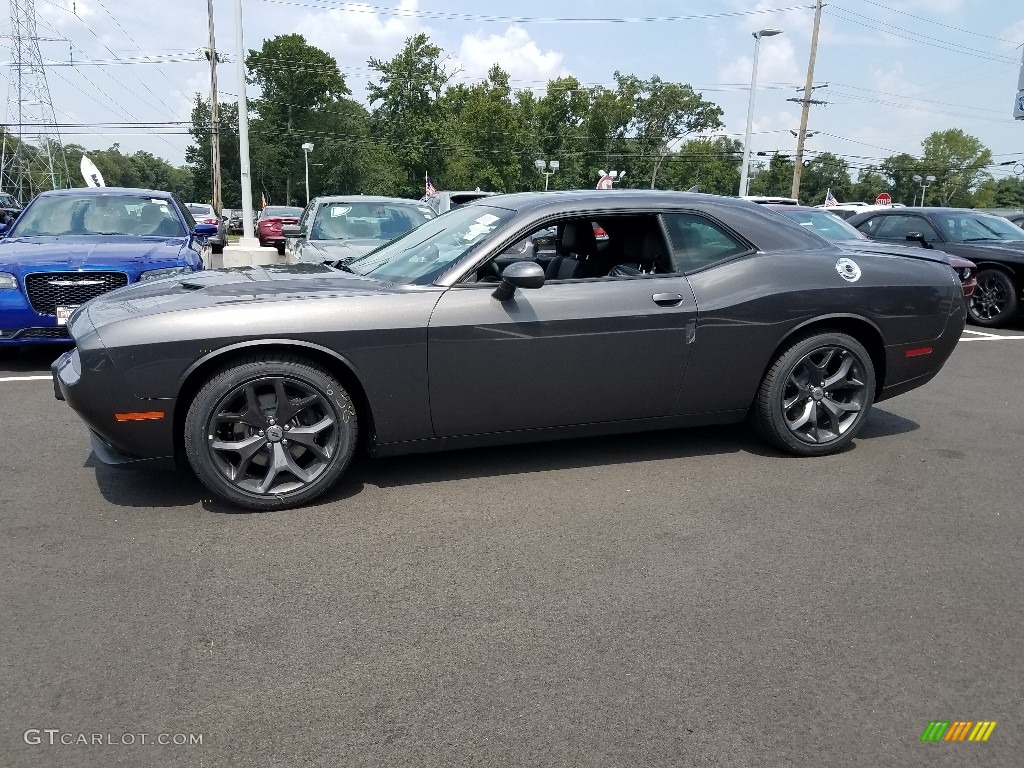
[830,199]
[430,188]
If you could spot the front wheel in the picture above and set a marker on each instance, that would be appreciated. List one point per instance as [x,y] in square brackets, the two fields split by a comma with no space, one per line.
[994,302]
[816,395]
[270,433]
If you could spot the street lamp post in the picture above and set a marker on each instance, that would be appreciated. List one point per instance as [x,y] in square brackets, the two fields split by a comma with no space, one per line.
[925,182]
[542,166]
[745,170]
[307,148]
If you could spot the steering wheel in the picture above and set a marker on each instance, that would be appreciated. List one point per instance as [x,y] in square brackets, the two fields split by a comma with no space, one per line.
[489,273]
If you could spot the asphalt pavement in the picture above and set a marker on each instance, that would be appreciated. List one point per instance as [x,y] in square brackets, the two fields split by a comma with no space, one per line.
[677,598]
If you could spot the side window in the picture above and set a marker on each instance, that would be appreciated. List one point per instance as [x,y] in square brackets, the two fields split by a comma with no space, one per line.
[898,227]
[698,243]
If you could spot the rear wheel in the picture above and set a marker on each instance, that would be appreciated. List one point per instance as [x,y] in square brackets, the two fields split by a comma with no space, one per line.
[816,394]
[994,302]
[270,432]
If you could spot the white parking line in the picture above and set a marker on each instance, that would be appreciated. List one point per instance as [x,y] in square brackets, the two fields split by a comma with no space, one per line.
[992,338]
[27,378]
[983,333]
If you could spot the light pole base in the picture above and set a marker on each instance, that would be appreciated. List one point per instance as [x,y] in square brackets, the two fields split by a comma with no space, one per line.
[248,252]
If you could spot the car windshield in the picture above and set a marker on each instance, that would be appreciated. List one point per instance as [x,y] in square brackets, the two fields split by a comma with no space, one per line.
[825,224]
[422,255]
[968,227]
[92,215]
[281,212]
[375,221]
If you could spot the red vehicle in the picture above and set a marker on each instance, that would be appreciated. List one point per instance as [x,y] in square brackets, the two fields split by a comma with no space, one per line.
[272,218]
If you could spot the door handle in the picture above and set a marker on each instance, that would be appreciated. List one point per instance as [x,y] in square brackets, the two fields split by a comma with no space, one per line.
[667,299]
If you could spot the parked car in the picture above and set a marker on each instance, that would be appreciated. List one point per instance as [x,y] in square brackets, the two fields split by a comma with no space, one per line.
[770,200]
[271,220]
[341,228]
[1016,218]
[233,220]
[835,229]
[442,202]
[10,209]
[204,214]
[72,245]
[993,243]
[697,309]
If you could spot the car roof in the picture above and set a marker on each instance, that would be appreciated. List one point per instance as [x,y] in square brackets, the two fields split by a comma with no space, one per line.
[785,208]
[95,191]
[608,199]
[368,199]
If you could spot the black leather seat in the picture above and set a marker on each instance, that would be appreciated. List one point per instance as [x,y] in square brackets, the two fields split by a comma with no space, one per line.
[642,254]
[576,243]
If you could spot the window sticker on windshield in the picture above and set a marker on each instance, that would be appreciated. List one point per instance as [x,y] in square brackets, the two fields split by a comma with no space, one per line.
[340,210]
[475,230]
[158,201]
[425,211]
[487,219]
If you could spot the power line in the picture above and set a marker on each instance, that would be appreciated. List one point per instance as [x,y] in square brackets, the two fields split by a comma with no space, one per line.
[938,23]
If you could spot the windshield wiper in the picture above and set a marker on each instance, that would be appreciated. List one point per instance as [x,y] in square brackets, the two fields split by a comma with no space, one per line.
[343,265]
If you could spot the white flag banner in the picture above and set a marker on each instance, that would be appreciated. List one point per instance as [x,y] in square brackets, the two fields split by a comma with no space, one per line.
[92,175]
[1018,105]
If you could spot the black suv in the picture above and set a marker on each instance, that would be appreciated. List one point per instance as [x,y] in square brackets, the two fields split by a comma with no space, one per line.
[10,209]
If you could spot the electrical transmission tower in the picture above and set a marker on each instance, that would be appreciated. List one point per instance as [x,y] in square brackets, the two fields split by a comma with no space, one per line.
[33,157]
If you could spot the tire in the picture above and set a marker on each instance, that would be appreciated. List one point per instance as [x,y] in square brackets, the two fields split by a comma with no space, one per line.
[245,449]
[816,395]
[280,250]
[995,300]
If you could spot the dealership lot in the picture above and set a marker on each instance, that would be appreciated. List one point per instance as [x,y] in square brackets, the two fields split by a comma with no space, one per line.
[673,598]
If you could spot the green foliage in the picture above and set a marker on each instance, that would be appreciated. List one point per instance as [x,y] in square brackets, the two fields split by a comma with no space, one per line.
[776,180]
[958,162]
[713,165]
[826,171]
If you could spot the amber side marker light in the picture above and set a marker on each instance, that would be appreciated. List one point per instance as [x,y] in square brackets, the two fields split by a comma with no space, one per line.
[140,416]
[918,352]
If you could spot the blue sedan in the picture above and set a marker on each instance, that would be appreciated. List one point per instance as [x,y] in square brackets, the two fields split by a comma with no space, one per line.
[72,245]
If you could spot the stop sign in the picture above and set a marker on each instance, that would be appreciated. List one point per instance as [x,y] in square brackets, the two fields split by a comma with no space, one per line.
[883,199]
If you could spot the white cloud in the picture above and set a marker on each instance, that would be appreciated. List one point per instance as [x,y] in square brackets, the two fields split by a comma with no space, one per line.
[514,51]
[776,63]
[357,31]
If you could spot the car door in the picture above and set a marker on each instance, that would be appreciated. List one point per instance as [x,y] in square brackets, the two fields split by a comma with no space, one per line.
[572,352]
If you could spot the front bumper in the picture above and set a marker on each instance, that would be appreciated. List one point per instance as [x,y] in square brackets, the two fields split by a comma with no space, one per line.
[130,429]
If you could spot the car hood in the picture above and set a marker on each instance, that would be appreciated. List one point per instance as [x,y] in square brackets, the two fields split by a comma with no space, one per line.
[334,250]
[212,288]
[19,253]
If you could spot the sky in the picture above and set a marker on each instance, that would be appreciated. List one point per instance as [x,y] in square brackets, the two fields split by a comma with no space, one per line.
[891,71]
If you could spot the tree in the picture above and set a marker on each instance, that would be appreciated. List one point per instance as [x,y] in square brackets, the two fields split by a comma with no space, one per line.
[711,164]
[199,160]
[870,184]
[407,110]
[661,114]
[825,172]
[776,180]
[900,170]
[297,81]
[958,162]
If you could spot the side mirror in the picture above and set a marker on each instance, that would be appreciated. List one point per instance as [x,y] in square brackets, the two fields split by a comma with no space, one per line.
[522,274]
[291,230]
[205,230]
[917,237]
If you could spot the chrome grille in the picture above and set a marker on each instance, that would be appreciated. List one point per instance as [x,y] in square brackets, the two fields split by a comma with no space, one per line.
[49,290]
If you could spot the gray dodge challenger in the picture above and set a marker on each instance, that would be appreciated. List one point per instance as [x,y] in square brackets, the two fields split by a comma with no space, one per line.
[653,310]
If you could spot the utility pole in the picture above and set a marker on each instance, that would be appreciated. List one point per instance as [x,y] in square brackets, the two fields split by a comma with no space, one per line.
[806,101]
[214,115]
[36,158]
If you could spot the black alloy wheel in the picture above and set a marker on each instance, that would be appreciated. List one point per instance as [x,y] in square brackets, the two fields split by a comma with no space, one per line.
[270,434]
[816,395]
[994,302]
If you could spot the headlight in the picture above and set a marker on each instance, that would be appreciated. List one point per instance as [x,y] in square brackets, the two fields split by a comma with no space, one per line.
[156,274]
[8,281]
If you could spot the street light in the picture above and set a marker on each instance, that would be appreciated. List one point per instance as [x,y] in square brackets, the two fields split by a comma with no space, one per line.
[744,171]
[307,148]
[925,183]
[542,166]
